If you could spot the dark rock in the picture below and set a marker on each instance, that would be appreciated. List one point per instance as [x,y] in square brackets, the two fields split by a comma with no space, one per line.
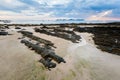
[3,33]
[47,63]
[68,35]
[107,38]
[46,53]
[40,40]
[17,28]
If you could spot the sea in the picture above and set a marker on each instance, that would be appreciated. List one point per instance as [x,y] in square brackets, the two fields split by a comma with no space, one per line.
[51,21]
[46,22]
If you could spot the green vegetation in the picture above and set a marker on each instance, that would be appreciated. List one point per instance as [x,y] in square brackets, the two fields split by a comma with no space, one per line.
[37,73]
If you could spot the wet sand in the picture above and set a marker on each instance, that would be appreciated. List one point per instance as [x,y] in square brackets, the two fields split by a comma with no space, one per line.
[84,60]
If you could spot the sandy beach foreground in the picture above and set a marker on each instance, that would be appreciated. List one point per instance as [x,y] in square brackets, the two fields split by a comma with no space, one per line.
[83,60]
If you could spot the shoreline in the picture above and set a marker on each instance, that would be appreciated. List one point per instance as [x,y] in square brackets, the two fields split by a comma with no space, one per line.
[84,60]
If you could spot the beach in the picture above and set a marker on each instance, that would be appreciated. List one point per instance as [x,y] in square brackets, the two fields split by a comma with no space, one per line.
[83,60]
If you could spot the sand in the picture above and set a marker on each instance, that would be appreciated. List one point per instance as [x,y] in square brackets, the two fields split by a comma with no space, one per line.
[84,60]
[16,61]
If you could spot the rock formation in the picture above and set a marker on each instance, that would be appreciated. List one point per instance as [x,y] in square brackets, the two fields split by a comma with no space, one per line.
[46,53]
[107,38]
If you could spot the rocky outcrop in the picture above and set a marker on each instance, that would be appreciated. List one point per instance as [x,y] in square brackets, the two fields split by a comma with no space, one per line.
[61,33]
[107,38]
[17,27]
[3,33]
[42,47]
[3,29]
[40,40]
[46,53]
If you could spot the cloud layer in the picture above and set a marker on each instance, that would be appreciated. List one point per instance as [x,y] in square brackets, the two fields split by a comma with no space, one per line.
[52,9]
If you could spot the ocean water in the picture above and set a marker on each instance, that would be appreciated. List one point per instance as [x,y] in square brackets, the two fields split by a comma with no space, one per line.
[45,22]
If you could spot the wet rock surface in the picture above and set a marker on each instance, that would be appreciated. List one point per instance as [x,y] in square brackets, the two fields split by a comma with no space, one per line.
[107,38]
[43,47]
[3,33]
[3,30]
[17,27]
[40,40]
[47,54]
[60,32]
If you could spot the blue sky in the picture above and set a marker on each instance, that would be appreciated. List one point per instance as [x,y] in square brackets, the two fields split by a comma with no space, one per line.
[88,10]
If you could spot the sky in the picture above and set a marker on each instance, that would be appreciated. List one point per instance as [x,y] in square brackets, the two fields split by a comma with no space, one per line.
[89,10]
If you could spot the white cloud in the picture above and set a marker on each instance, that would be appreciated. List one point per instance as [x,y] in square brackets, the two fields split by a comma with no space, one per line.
[103,16]
[30,12]
[9,15]
[73,12]
[87,9]
[11,3]
[53,2]
[100,16]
